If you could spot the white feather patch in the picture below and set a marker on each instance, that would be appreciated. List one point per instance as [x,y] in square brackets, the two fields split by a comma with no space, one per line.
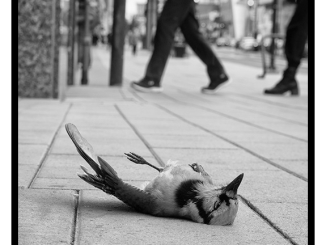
[144,184]
[172,162]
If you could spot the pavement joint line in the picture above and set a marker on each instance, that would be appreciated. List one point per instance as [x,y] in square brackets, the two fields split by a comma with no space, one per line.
[28,143]
[124,95]
[48,148]
[139,98]
[233,143]
[253,111]
[156,156]
[251,124]
[274,116]
[75,217]
[270,102]
[267,220]
[237,119]
[192,148]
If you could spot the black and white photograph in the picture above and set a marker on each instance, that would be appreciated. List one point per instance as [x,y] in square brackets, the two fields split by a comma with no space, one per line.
[165,122]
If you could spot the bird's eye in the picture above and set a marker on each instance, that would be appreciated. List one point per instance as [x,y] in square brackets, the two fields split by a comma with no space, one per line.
[217,204]
[194,166]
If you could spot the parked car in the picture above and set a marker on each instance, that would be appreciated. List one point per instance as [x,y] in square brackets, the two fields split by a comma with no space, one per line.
[222,41]
[233,42]
[249,44]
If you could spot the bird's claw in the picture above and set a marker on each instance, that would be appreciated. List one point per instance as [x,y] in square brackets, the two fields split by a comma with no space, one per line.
[139,160]
[135,158]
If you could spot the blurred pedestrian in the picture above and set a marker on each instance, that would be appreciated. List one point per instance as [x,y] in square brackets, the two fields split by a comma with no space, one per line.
[109,39]
[133,40]
[180,13]
[296,38]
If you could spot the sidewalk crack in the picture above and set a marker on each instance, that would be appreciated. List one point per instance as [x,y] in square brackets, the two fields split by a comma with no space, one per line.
[267,220]
[158,159]
[75,217]
[48,149]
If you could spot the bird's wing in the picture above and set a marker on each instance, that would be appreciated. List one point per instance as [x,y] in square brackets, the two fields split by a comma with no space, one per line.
[83,147]
[107,178]
[138,199]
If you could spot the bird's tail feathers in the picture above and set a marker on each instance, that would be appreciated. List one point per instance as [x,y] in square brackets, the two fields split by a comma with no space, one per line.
[106,180]
[106,177]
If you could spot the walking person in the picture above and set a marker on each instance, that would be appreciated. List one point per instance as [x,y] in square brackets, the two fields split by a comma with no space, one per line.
[180,13]
[296,38]
[133,40]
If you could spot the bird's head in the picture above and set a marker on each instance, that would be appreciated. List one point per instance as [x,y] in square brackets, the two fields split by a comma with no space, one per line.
[219,206]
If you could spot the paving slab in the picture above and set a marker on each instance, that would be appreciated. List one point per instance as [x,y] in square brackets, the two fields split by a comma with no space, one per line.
[221,158]
[96,121]
[94,92]
[299,166]
[169,128]
[26,173]
[102,133]
[297,150]
[67,166]
[31,154]
[186,141]
[296,228]
[36,136]
[45,216]
[36,126]
[104,145]
[74,183]
[257,135]
[103,218]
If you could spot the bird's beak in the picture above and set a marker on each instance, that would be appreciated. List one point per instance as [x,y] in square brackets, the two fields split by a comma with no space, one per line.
[231,189]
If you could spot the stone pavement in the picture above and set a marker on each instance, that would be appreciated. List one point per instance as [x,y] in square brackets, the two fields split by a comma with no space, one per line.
[239,130]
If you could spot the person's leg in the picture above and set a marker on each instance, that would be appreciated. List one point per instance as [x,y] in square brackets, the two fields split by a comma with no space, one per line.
[172,15]
[134,49]
[195,39]
[296,37]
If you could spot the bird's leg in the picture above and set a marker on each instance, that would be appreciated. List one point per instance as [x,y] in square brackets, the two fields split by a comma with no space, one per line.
[139,160]
[198,168]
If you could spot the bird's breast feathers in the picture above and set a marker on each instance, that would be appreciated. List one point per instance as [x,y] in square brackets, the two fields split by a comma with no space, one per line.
[166,185]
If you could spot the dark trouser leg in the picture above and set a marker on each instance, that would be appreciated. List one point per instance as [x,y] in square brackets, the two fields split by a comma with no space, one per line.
[134,49]
[172,15]
[296,37]
[190,30]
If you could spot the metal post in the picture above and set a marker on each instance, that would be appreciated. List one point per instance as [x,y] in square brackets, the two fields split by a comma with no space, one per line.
[86,46]
[274,31]
[118,41]
[71,42]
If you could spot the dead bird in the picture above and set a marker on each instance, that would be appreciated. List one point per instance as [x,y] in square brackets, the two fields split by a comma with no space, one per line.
[180,190]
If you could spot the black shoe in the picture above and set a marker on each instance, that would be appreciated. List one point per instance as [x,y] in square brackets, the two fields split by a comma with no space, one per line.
[285,85]
[214,86]
[146,86]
